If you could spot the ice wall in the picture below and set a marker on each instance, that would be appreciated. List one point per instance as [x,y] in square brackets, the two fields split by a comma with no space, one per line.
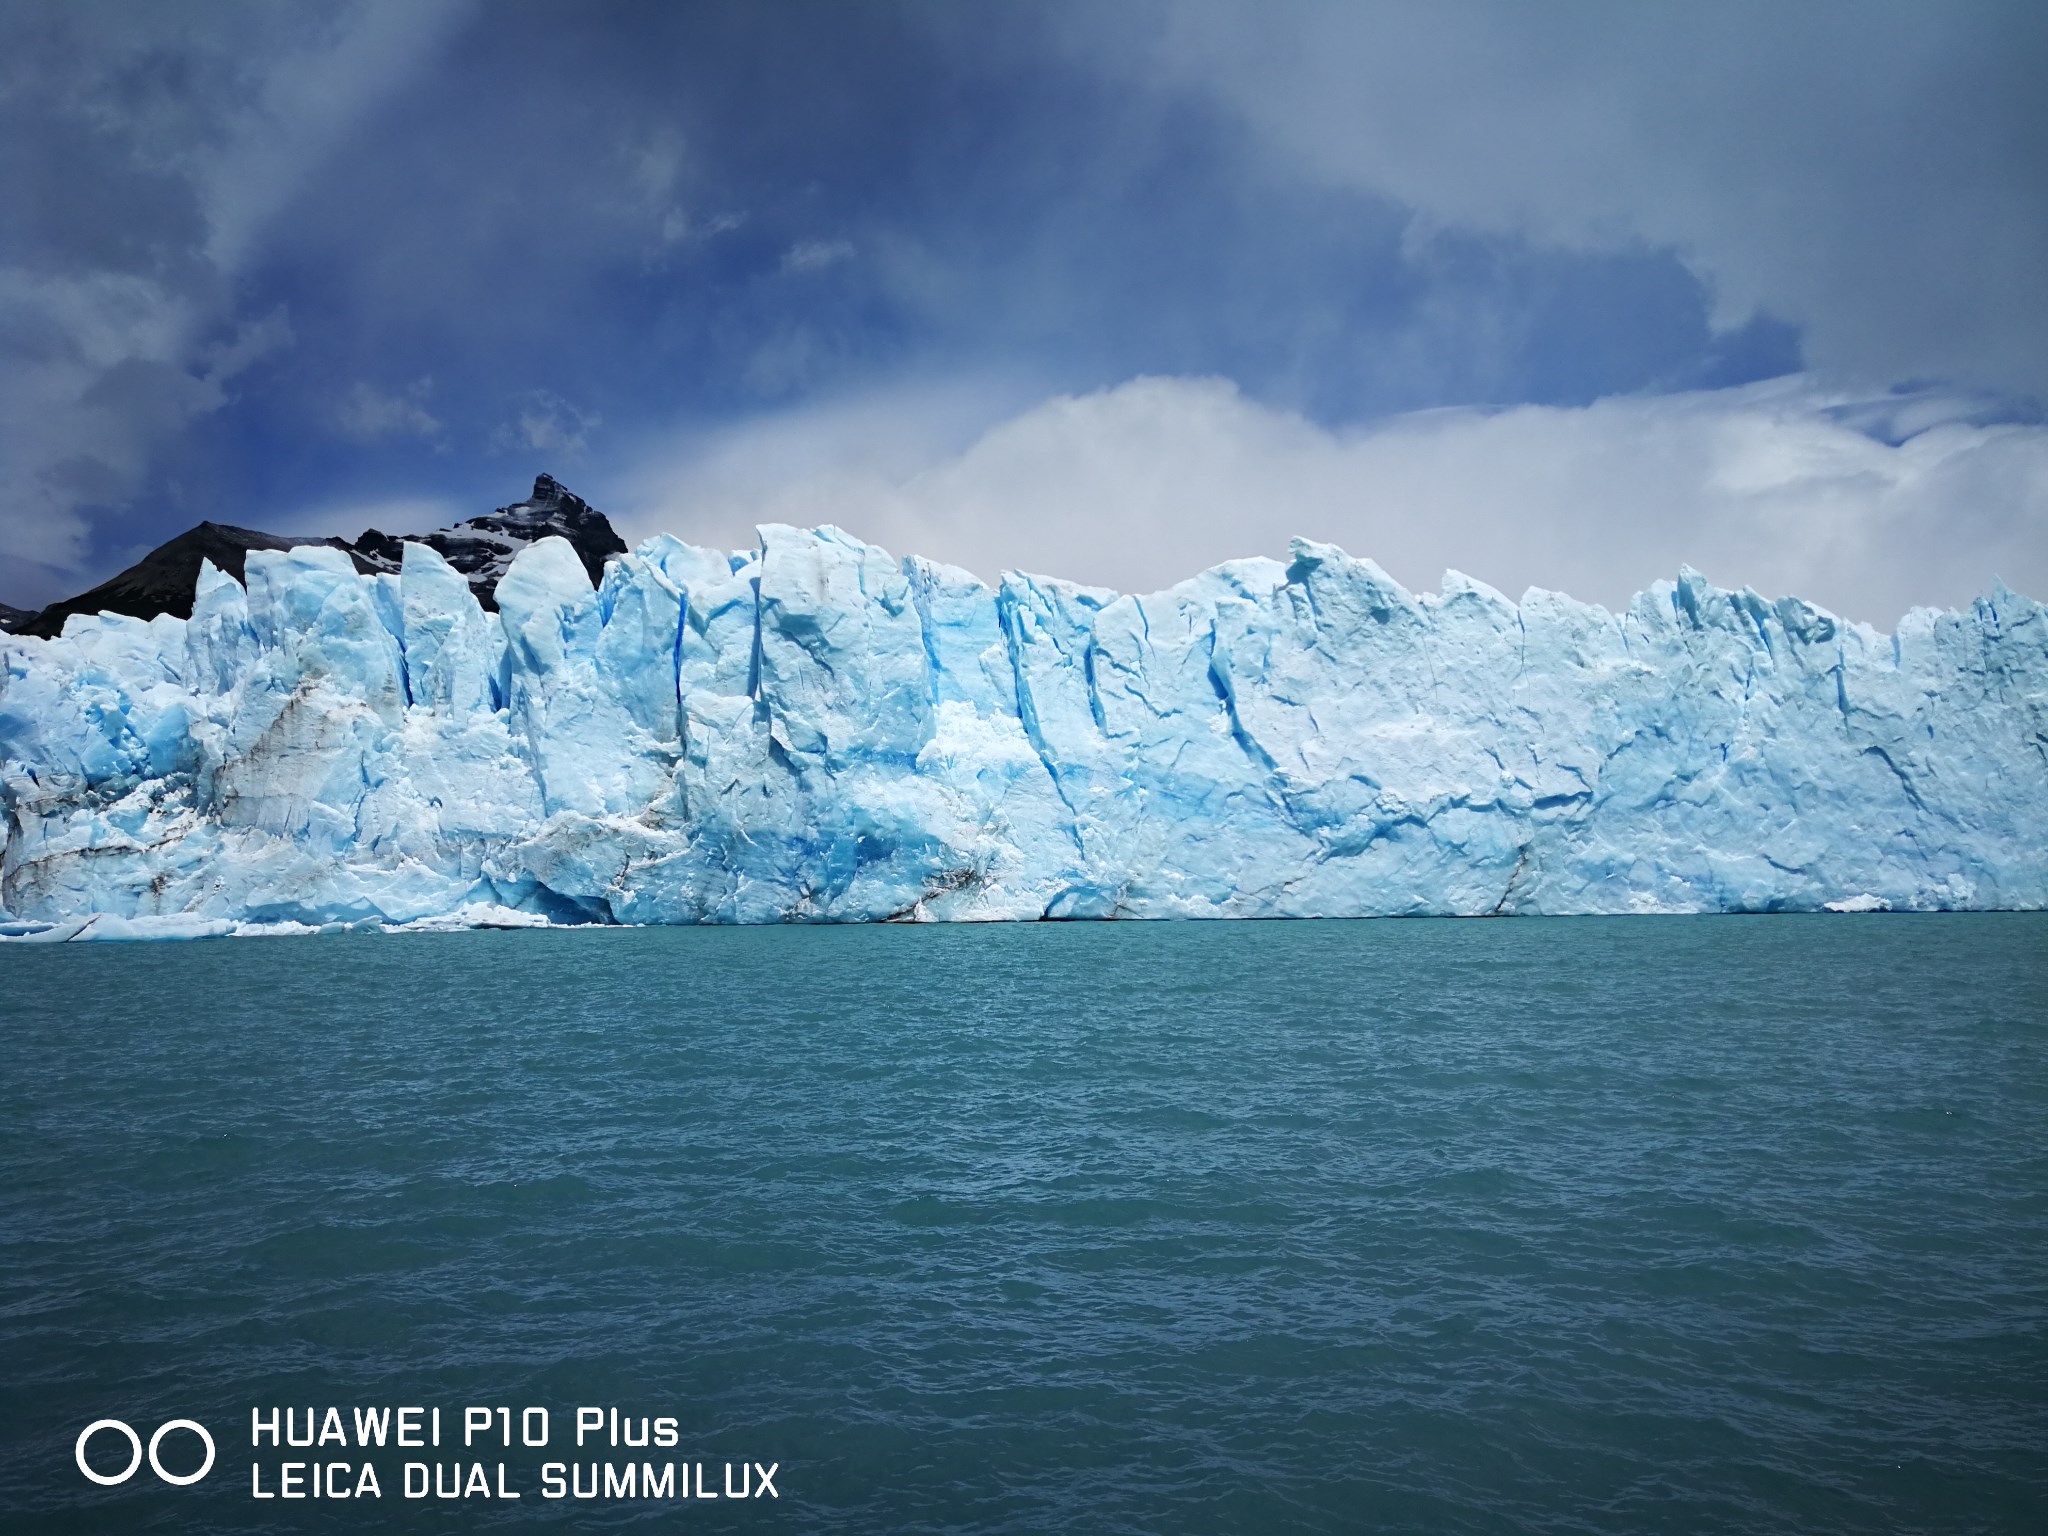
[813,730]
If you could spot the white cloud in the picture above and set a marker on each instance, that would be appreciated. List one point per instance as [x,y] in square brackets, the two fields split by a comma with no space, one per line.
[113,367]
[816,255]
[547,423]
[197,127]
[1872,173]
[308,94]
[368,414]
[656,165]
[1772,486]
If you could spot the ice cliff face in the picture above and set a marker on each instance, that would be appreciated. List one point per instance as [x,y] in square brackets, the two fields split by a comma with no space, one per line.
[814,730]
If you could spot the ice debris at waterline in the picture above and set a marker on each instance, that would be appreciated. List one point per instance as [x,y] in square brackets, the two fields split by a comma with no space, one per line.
[813,730]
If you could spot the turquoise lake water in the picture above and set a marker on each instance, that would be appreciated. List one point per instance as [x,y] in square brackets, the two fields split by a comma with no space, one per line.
[1584,1225]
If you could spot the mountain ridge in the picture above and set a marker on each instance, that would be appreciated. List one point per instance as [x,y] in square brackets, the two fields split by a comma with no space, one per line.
[481,548]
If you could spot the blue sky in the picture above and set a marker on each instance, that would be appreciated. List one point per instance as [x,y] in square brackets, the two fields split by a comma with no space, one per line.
[1560,294]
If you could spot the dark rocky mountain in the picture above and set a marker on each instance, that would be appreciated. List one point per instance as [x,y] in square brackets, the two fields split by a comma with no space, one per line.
[162,580]
[482,548]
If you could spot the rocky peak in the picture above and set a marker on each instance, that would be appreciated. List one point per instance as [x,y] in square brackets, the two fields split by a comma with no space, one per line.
[483,548]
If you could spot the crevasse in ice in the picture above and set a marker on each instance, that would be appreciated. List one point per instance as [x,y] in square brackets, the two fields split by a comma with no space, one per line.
[813,730]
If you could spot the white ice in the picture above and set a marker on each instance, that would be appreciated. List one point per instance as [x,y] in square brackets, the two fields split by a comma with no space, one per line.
[814,730]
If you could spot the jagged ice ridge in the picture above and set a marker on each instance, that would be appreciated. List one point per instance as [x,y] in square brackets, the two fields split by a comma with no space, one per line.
[814,730]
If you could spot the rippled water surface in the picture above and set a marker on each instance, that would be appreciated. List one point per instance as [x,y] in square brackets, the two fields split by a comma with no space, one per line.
[1584,1225]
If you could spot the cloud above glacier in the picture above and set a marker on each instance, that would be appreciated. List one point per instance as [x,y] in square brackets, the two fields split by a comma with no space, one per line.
[269,257]
[1868,504]
[148,151]
[1875,173]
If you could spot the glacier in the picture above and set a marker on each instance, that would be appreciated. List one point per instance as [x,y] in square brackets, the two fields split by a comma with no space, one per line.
[814,730]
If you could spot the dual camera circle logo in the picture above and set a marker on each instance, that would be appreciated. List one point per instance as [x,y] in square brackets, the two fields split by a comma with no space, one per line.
[176,1480]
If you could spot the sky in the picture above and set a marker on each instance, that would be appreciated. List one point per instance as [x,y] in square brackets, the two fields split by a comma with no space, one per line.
[1559,294]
